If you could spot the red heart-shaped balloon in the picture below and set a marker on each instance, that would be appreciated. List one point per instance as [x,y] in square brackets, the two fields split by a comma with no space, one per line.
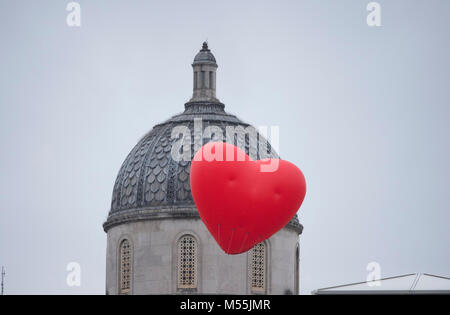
[240,202]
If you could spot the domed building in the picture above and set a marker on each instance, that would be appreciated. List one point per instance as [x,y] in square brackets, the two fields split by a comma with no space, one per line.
[156,241]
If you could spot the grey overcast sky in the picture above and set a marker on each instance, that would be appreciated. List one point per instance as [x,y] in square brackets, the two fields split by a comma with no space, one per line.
[363,111]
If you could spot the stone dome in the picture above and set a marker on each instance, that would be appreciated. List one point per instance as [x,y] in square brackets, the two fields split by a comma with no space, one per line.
[151,184]
[204,56]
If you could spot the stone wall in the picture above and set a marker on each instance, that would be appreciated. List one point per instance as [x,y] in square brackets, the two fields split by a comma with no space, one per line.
[155,259]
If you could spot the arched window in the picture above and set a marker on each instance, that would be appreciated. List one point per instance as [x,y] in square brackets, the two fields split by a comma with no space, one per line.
[187,262]
[258,268]
[297,270]
[125,267]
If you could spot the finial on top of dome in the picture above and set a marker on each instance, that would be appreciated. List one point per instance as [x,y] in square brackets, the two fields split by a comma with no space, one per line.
[204,67]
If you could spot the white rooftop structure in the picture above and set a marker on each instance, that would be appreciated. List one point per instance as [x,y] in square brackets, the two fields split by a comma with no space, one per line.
[415,283]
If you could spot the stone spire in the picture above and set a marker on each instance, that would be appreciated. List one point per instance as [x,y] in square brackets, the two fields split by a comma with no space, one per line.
[204,67]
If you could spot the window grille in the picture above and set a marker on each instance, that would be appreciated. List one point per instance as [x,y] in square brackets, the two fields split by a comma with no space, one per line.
[125,267]
[187,262]
[297,270]
[258,268]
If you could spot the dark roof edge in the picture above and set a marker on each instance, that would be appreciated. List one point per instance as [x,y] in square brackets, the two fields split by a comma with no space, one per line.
[160,213]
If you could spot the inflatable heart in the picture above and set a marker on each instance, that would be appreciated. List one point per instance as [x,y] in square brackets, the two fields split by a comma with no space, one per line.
[241,205]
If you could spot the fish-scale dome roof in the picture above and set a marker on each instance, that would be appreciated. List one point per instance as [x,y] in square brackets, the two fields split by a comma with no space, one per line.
[151,183]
